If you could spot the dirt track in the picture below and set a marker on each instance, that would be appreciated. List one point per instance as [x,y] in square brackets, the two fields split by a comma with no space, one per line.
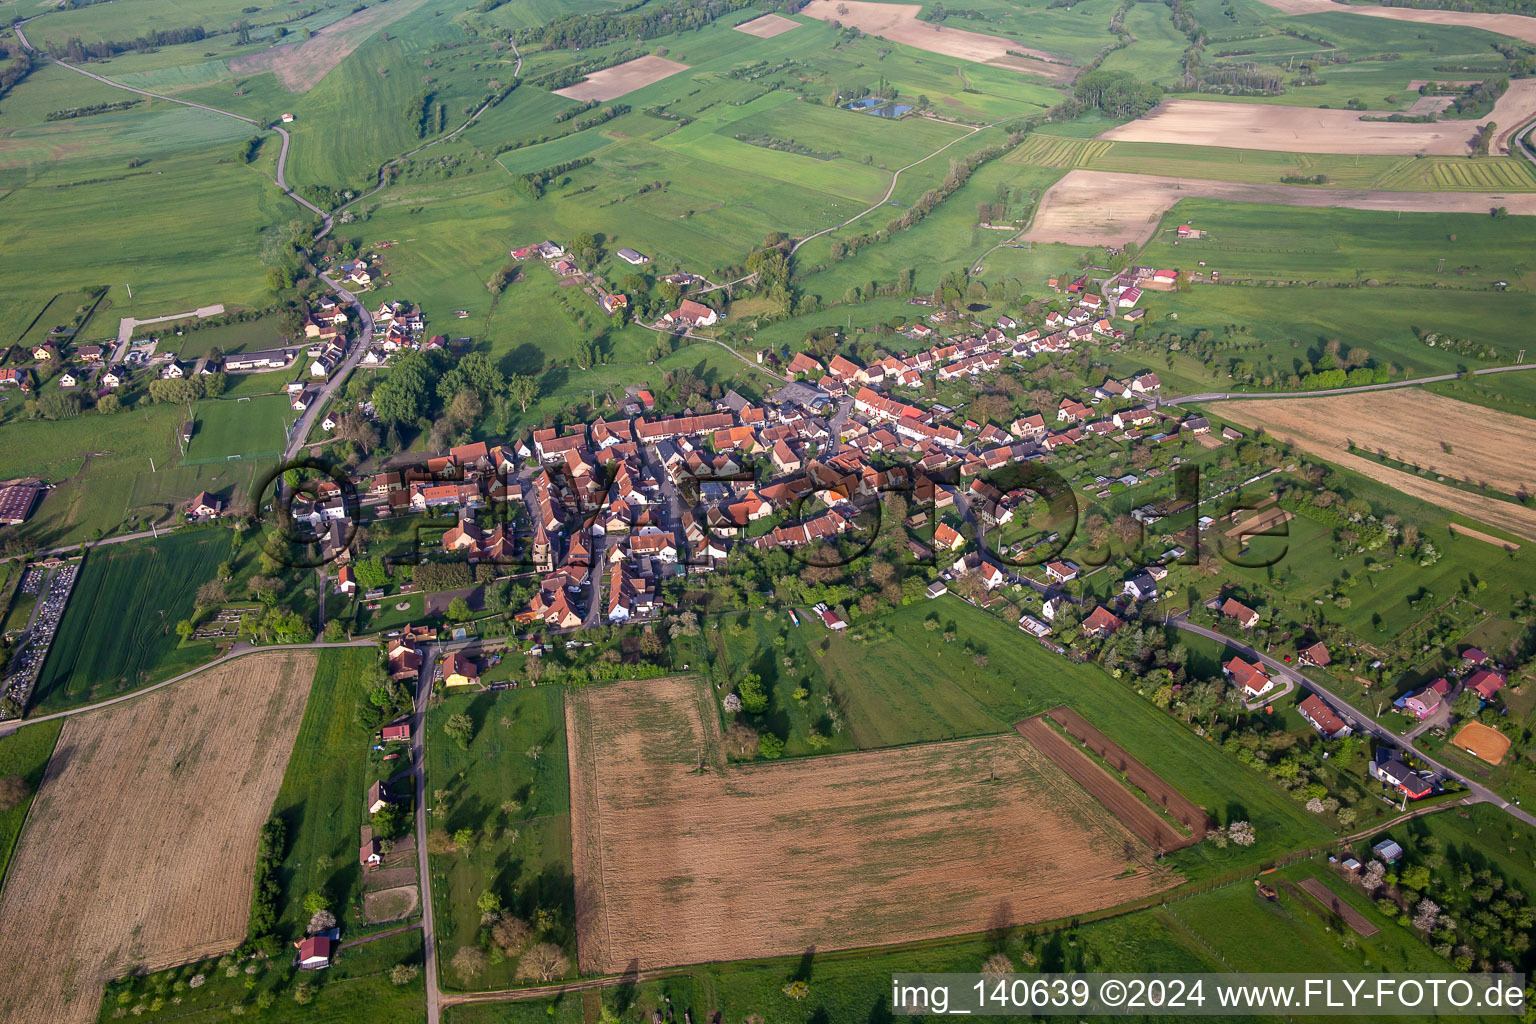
[899,23]
[832,852]
[1311,130]
[300,66]
[1487,538]
[139,849]
[1483,742]
[1104,207]
[1413,427]
[622,79]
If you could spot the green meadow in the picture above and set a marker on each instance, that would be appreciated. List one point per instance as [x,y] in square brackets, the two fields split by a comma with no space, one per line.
[23,753]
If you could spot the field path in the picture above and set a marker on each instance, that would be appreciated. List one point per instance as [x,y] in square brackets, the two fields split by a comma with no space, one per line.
[1110,207]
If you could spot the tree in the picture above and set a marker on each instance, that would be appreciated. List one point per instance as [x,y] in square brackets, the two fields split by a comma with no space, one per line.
[210,594]
[542,962]
[997,965]
[319,921]
[523,390]
[13,790]
[458,609]
[754,698]
[469,962]
[511,934]
[108,404]
[185,629]
[316,901]
[403,974]
[1242,833]
[303,994]
[770,746]
[489,904]
[1468,703]
[461,729]
[797,990]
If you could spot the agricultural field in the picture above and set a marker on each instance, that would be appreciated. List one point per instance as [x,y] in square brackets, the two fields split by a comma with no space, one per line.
[323,809]
[510,789]
[1440,436]
[1100,208]
[180,814]
[23,753]
[119,628]
[845,809]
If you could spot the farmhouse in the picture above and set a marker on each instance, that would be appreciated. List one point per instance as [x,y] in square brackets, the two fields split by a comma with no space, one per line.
[16,503]
[691,314]
[377,798]
[1485,682]
[1330,725]
[1251,677]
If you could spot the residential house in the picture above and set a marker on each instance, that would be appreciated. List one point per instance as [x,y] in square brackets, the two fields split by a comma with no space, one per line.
[315,953]
[1245,616]
[460,670]
[1316,655]
[1251,677]
[397,732]
[1392,770]
[1485,682]
[377,798]
[1061,571]
[204,505]
[1428,700]
[1102,622]
[691,314]
[1322,717]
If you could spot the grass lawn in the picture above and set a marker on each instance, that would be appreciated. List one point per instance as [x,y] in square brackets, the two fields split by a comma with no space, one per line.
[248,336]
[119,628]
[321,798]
[355,987]
[24,753]
[510,789]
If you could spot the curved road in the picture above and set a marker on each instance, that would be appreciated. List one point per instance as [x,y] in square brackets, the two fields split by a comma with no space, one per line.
[1222,396]
[1279,668]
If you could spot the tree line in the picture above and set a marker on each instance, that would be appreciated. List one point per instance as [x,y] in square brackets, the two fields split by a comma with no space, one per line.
[635,21]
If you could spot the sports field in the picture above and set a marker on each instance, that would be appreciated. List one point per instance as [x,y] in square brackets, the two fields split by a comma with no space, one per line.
[119,628]
[838,844]
[142,840]
[241,428]
[1479,740]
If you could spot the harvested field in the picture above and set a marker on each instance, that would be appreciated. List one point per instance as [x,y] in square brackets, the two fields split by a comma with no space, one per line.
[1312,130]
[899,23]
[1451,438]
[621,79]
[391,904]
[1482,741]
[1515,25]
[768,26]
[300,66]
[1467,531]
[1103,207]
[1336,904]
[142,840]
[837,846]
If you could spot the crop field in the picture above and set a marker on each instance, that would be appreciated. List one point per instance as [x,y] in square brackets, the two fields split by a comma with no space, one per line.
[1096,207]
[175,785]
[622,79]
[24,753]
[869,829]
[243,428]
[1518,26]
[899,24]
[1295,129]
[1417,429]
[301,66]
[119,628]
[768,26]
[1490,174]
[511,787]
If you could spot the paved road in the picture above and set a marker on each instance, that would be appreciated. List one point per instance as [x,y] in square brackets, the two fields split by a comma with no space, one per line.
[1360,721]
[1221,396]
[306,422]
[240,649]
